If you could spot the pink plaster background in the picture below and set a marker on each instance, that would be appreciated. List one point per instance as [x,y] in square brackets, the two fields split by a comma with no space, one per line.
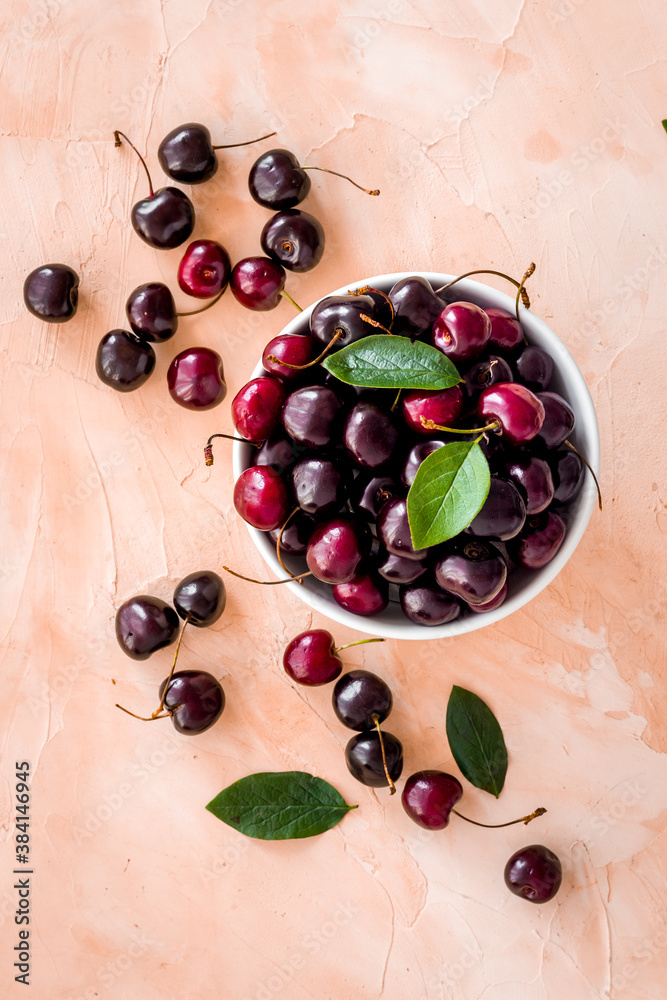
[499,133]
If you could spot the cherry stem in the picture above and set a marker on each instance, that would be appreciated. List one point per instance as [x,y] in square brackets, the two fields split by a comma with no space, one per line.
[159,713]
[335,173]
[117,142]
[395,403]
[234,145]
[208,447]
[495,826]
[279,539]
[376,722]
[368,288]
[289,298]
[268,583]
[498,274]
[597,485]
[374,322]
[521,292]
[195,312]
[299,368]
[144,718]
[359,642]
[430,425]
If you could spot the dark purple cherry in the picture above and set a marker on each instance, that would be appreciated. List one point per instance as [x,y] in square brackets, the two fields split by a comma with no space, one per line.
[292,349]
[416,456]
[360,699]
[186,154]
[416,306]
[534,873]
[151,311]
[204,270]
[519,411]
[370,492]
[369,435]
[503,514]
[426,604]
[429,797]
[383,309]
[196,379]
[487,372]
[201,597]
[276,451]
[260,497]
[51,292]
[363,755]
[194,699]
[491,605]
[398,569]
[295,239]
[534,367]
[295,537]
[144,624]
[533,477]
[256,408]
[336,549]
[442,406]
[568,472]
[319,485]
[461,331]
[309,413]
[393,529]
[472,571]
[539,541]
[506,331]
[343,312]
[123,361]
[277,181]
[311,659]
[257,283]
[558,420]
[365,595]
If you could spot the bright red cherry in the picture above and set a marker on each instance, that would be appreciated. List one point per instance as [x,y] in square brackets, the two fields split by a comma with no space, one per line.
[336,549]
[196,379]
[362,595]
[461,331]
[517,409]
[442,406]
[257,283]
[204,270]
[260,497]
[429,797]
[289,348]
[534,873]
[256,408]
[506,332]
[310,658]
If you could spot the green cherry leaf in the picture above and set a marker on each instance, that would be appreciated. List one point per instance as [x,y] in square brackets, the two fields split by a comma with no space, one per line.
[280,805]
[476,741]
[449,490]
[387,362]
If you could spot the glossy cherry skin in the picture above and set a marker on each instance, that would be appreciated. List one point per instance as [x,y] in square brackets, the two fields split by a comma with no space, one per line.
[503,514]
[319,485]
[506,331]
[151,312]
[399,570]
[426,604]
[277,181]
[443,406]
[393,530]
[204,270]
[195,699]
[532,476]
[534,367]
[256,408]
[166,220]
[520,412]
[310,658]
[416,306]
[491,605]
[294,539]
[144,624]
[416,456]
[257,282]
[201,597]
[461,331]
[196,379]
[429,797]
[276,451]
[568,472]
[364,595]
[491,370]
[295,239]
[186,154]
[534,873]
[369,435]
[309,414]
[343,312]
[51,292]
[363,755]
[370,493]
[260,497]
[292,349]
[473,572]
[539,541]
[558,420]
[360,696]
[124,362]
[336,549]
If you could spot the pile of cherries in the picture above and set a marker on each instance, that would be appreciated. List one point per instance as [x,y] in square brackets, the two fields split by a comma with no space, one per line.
[334,462]
[362,701]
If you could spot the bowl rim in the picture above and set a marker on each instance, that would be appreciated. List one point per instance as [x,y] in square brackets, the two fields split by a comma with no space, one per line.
[586,431]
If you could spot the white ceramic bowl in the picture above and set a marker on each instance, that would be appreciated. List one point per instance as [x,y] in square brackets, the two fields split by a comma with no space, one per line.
[523,585]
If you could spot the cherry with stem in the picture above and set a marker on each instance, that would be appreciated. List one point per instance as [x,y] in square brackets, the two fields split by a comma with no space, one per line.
[299,368]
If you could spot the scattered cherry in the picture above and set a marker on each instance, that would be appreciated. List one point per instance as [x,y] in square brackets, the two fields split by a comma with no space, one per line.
[123,361]
[368,764]
[204,269]
[145,624]
[429,797]
[51,292]
[196,379]
[187,155]
[534,873]
[258,283]
[200,598]
[361,699]
[295,239]
[194,699]
[151,311]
